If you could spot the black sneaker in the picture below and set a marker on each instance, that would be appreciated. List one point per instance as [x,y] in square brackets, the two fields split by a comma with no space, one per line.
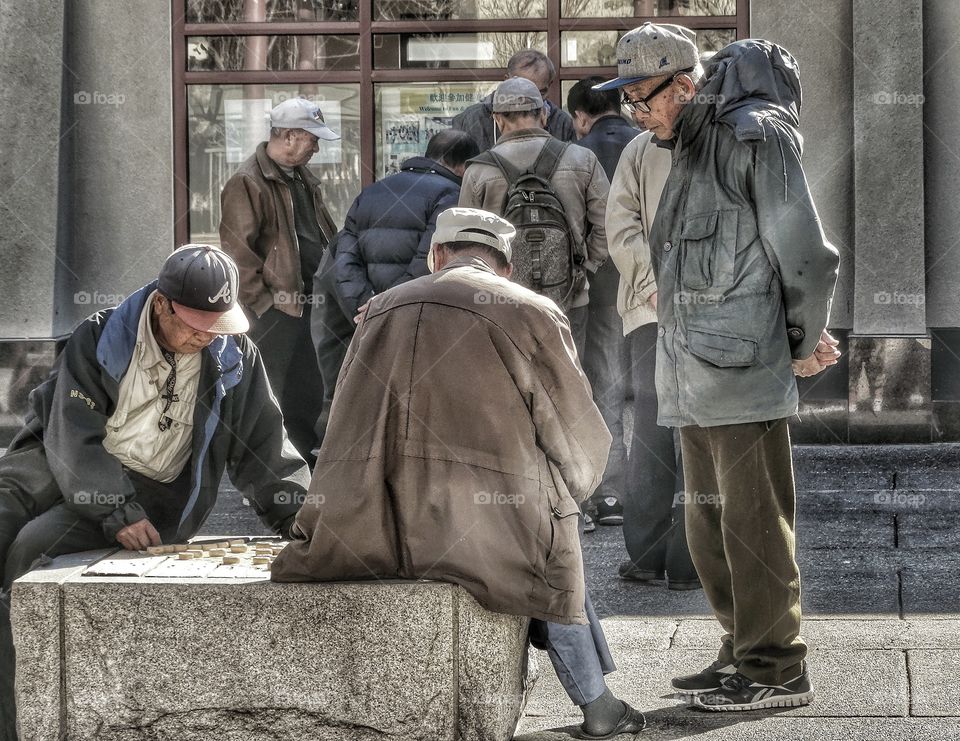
[609,511]
[588,524]
[739,692]
[628,570]
[708,680]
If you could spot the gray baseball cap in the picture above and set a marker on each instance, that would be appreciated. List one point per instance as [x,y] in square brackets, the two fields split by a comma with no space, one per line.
[300,113]
[202,283]
[652,50]
[516,94]
[460,224]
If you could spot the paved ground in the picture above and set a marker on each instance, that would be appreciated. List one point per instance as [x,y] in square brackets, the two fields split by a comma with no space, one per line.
[877,535]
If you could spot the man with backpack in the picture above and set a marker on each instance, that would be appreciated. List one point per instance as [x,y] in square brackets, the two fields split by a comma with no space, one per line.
[553,193]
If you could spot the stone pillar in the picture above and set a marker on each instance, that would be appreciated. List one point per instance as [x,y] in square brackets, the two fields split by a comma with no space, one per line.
[117,201]
[890,292]
[31,80]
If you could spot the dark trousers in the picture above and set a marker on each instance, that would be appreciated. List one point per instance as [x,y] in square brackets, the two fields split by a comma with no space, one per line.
[605,363]
[578,328]
[331,331]
[31,530]
[291,365]
[740,521]
[653,521]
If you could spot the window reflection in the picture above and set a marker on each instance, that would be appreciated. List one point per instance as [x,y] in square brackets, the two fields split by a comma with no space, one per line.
[451,51]
[227,122]
[599,48]
[273,52]
[259,11]
[401,10]
[642,8]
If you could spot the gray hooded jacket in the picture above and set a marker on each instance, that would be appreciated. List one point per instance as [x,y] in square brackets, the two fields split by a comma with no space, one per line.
[745,274]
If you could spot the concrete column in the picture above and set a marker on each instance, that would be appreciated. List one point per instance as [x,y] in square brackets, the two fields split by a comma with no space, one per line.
[31,79]
[818,33]
[117,204]
[890,293]
[941,111]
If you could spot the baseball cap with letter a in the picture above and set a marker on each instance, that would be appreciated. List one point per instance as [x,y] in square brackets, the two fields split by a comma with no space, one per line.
[202,282]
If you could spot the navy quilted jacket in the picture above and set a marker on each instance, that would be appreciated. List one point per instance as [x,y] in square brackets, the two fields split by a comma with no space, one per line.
[386,236]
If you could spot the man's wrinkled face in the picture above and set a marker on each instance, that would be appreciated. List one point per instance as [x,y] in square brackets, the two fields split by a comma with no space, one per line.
[300,146]
[665,106]
[175,335]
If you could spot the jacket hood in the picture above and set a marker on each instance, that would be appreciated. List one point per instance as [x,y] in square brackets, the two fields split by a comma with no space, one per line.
[749,81]
[425,165]
[115,347]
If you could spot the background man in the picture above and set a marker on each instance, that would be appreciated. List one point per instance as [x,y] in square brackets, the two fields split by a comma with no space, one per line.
[653,524]
[127,441]
[275,226]
[532,65]
[602,130]
[745,280]
[476,446]
[579,183]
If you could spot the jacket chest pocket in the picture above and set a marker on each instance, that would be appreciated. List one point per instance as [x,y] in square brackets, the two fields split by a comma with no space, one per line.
[708,249]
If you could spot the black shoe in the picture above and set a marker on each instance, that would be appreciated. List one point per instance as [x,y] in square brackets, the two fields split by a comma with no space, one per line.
[708,680]
[628,570]
[632,721]
[609,511]
[588,524]
[739,692]
[682,586]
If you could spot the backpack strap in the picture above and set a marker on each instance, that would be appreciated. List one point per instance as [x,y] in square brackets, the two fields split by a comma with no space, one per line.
[549,158]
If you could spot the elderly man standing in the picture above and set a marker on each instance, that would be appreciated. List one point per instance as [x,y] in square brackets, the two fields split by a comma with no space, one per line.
[745,280]
[127,441]
[275,225]
[478,120]
[468,460]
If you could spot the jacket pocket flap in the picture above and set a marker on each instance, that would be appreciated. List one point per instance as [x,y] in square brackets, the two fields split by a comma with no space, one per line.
[700,226]
[724,351]
[564,507]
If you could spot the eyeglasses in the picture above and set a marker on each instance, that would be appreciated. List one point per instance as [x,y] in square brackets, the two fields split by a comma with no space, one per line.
[643,105]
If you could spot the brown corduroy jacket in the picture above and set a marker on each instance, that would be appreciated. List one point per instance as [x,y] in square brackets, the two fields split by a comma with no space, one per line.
[257,230]
[462,437]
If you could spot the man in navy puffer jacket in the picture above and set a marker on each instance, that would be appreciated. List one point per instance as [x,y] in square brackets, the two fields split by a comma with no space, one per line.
[386,236]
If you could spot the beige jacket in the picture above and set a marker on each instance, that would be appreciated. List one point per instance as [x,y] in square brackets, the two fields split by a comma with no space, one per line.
[631,208]
[462,437]
[579,182]
[257,229]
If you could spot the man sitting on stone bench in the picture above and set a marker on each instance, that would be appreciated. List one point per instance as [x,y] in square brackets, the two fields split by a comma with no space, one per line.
[128,439]
[462,438]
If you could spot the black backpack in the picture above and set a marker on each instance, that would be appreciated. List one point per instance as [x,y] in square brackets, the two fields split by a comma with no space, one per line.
[546,256]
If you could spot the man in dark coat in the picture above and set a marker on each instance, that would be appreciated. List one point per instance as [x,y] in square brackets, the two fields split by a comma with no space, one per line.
[386,235]
[602,130]
[533,65]
[127,441]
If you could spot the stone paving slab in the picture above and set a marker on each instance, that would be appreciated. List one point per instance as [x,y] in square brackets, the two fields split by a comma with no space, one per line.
[933,678]
[841,634]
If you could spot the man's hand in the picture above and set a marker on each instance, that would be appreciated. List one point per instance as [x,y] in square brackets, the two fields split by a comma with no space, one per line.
[139,535]
[825,355]
[360,312]
[653,300]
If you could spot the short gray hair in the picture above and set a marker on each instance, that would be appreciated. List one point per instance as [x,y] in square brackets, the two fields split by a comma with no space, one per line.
[528,58]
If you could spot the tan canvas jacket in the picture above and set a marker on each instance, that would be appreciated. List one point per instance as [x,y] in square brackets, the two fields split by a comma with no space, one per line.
[257,230]
[631,208]
[462,437]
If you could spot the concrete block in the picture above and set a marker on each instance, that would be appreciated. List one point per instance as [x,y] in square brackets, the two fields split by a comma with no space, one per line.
[152,658]
[931,674]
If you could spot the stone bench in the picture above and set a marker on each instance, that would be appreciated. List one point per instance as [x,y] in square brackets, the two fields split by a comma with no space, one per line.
[131,658]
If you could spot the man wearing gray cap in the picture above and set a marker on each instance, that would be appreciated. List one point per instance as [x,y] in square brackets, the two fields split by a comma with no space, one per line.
[127,441]
[465,434]
[275,225]
[745,280]
[556,266]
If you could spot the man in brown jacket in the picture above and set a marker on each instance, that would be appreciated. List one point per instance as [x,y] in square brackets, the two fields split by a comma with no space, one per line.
[463,436]
[275,226]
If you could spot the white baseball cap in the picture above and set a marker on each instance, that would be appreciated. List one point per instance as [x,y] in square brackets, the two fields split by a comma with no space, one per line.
[300,113]
[460,224]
